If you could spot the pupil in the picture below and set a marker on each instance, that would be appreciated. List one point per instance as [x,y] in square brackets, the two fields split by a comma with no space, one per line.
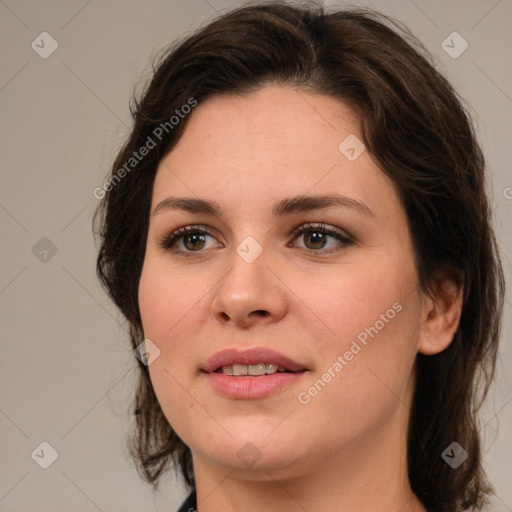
[194,238]
[317,238]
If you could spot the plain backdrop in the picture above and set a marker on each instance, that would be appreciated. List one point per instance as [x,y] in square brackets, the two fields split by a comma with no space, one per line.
[67,371]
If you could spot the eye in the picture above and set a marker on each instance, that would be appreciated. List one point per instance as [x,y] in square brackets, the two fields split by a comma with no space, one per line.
[315,237]
[191,238]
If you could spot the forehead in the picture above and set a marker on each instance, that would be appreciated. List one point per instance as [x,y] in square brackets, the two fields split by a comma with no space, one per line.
[277,121]
[252,150]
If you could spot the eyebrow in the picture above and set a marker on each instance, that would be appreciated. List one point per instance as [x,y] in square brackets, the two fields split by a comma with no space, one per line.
[288,206]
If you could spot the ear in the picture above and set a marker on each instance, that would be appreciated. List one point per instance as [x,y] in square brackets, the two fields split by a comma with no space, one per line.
[441,313]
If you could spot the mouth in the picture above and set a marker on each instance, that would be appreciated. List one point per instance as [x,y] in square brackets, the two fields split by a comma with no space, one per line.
[254,362]
[252,370]
[251,374]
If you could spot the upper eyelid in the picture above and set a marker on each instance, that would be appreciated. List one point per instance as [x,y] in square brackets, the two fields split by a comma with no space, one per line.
[177,233]
[209,230]
[320,226]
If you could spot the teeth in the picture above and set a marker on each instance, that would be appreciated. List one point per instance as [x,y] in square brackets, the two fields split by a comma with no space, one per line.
[257,369]
[252,369]
[227,370]
[271,368]
[240,369]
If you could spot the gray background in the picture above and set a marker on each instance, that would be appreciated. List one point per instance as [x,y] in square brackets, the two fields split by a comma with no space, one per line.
[67,371]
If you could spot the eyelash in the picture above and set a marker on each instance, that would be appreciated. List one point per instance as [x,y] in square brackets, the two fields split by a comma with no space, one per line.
[169,241]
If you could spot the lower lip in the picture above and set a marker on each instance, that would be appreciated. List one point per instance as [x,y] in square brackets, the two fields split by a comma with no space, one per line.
[251,387]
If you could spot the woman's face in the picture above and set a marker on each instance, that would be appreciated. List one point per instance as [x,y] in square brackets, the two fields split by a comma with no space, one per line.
[337,302]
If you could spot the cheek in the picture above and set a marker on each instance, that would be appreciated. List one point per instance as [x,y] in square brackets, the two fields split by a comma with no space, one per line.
[350,303]
[166,299]
[166,306]
[367,324]
[154,299]
[365,364]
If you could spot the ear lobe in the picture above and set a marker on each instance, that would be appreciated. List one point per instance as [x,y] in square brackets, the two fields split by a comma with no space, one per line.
[441,315]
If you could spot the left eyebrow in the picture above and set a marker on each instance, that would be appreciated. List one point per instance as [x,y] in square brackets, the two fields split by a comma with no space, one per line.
[301,203]
[307,203]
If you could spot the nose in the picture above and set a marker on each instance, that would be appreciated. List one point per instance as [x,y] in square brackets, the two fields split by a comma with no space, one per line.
[249,293]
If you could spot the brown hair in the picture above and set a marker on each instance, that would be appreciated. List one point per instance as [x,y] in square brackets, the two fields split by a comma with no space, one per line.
[418,133]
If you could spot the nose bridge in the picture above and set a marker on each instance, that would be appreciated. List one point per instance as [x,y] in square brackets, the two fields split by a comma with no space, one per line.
[249,290]
[248,270]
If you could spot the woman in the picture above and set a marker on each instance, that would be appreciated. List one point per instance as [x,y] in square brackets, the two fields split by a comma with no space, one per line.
[298,233]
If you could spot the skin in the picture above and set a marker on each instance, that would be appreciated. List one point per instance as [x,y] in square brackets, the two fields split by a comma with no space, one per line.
[345,449]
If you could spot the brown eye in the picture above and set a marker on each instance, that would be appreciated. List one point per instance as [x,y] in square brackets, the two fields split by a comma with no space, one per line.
[194,241]
[186,240]
[316,237]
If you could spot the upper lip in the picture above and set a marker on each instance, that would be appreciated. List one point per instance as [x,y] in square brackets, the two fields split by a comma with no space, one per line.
[230,356]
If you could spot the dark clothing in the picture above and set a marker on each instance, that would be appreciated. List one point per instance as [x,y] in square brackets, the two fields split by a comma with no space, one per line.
[190,504]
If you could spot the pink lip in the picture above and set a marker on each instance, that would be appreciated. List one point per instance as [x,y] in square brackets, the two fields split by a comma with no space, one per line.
[248,387]
[256,355]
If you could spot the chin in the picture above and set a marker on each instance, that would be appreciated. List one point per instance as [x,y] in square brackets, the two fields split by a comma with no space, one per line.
[251,460]
[252,447]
